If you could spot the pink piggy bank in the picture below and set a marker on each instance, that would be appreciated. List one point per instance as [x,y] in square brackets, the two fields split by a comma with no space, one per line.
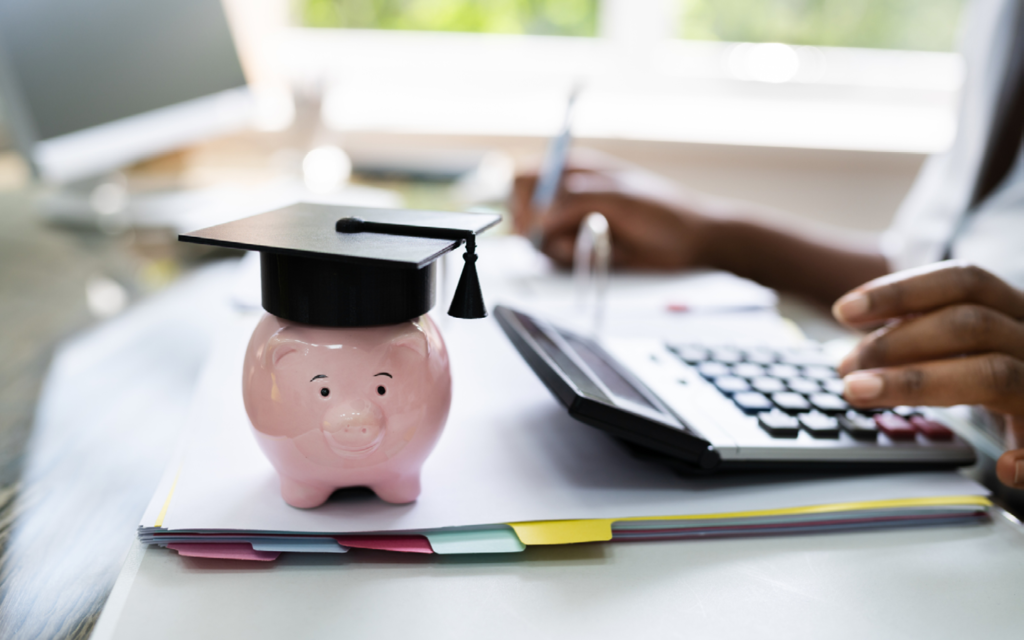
[343,407]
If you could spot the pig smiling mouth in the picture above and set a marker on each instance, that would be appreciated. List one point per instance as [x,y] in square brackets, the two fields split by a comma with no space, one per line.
[346,449]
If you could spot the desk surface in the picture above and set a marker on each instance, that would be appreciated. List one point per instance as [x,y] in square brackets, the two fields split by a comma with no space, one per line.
[115,399]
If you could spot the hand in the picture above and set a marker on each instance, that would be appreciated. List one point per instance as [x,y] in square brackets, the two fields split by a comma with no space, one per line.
[950,333]
[653,224]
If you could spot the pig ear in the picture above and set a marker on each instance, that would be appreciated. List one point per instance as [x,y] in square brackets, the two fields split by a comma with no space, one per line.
[278,349]
[414,340]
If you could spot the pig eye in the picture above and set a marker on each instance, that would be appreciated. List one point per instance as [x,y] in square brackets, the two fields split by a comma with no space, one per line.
[381,390]
[325,392]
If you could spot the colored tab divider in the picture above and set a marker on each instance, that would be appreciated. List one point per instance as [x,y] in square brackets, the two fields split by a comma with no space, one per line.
[563,531]
[301,546]
[222,551]
[498,540]
[402,543]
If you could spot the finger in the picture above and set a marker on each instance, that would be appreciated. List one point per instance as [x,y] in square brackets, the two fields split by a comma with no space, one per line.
[1010,468]
[950,331]
[571,208]
[926,289]
[519,202]
[994,380]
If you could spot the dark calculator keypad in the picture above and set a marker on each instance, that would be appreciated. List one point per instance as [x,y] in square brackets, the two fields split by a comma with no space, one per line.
[692,354]
[795,389]
[783,371]
[726,355]
[731,384]
[835,385]
[820,425]
[819,373]
[768,385]
[858,425]
[805,386]
[748,370]
[752,401]
[895,426]
[791,402]
[713,369]
[779,423]
[931,429]
[828,403]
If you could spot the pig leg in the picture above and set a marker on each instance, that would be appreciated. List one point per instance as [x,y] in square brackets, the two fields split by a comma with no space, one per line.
[302,495]
[398,490]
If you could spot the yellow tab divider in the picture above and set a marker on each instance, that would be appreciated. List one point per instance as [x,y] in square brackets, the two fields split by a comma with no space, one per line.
[600,529]
[167,503]
[563,531]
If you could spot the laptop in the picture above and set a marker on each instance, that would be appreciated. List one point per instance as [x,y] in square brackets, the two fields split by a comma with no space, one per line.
[707,408]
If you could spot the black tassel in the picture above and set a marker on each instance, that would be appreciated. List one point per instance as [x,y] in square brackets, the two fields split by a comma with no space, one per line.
[468,302]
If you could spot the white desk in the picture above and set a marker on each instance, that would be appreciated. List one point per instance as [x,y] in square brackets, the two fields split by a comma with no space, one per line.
[98,453]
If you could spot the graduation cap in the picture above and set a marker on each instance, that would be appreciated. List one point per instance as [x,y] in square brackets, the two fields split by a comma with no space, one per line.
[337,266]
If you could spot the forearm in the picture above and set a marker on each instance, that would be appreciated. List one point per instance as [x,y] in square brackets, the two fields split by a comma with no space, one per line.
[822,269]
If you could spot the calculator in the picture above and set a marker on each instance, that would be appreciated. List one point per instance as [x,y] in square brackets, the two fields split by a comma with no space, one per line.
[705,408]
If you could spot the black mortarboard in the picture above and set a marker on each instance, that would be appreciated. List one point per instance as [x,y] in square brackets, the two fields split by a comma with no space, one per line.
[336,266]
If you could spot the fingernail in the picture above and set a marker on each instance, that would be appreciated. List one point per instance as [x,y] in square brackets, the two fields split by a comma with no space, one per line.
[1018,473]
[862,386]
[851,306]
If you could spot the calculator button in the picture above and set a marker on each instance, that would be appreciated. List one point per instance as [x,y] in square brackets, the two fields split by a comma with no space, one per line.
[783,371]
[904,411]
[858,425]
[767,385]
[819,373]
[760,356]
[931,429]
[747,370]
[828,403]
[752,401]
[727,355]
[789,401]
[819,425]
[779,424]
[731,384]
[712,369]
[833,385]
[691,354]
[805,386]
[894,426]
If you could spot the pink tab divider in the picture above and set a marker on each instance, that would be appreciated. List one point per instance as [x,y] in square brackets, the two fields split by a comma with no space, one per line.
[222,551]
[403,544]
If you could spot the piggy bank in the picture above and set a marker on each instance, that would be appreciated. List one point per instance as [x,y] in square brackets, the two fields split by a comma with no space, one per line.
[343,407]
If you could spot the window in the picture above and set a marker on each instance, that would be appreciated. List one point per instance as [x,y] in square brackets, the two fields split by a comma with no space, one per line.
[877,75]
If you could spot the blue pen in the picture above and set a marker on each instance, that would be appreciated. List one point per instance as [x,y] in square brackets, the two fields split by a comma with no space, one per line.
[551,170]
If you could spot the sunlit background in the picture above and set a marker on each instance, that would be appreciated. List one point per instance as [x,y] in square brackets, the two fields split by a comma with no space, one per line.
[857,74]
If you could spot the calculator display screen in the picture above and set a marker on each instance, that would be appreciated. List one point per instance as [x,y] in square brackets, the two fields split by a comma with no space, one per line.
[606,373]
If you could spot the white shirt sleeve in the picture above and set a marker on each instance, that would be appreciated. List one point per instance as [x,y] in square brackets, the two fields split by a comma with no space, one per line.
[993,236]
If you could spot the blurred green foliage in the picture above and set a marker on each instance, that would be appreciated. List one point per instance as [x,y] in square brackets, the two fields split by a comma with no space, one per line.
[887,24]
[929,25]
[542,17]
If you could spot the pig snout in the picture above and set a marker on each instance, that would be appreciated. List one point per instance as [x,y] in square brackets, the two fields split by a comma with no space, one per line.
[354,427]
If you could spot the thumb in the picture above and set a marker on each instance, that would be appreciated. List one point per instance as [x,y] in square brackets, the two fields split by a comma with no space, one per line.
[1010,466]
